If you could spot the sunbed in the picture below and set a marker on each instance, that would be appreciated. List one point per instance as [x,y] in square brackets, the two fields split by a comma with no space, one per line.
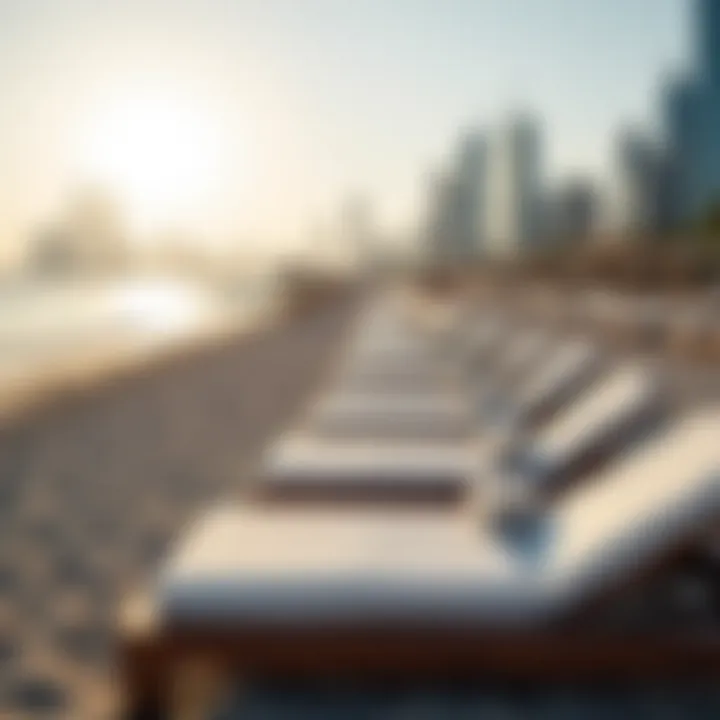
[260,591]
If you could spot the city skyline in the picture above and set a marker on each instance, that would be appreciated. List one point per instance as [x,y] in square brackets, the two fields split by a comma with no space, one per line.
[664,179]
[312,106]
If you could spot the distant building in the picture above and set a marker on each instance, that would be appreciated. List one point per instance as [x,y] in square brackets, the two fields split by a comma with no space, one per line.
[490,200]
[680,113]
[469,201]
[695,146]
[707,40]
[640,170]
[91,238]
[707,124]
[692,124]
[52,253]
[572,212]
[439,231]
[359,235]
[456,204]
[514,219]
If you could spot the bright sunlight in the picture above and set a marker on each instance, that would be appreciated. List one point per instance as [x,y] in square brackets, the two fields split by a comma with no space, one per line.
[158,153]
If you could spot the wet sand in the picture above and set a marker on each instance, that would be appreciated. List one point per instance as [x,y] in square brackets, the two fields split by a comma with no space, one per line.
[94,489]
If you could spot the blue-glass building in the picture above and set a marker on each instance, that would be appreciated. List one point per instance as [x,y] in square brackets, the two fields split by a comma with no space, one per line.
[699,149]
[707,31]
[692,123]
[680,110]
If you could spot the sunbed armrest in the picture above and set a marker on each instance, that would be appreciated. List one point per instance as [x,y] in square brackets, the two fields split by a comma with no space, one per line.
[519,519]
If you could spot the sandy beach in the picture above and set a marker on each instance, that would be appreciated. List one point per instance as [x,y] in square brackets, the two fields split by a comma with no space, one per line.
[95,488]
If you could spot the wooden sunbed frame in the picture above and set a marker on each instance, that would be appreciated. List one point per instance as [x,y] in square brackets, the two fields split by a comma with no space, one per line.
[169,671]
[391,493]
[161,667]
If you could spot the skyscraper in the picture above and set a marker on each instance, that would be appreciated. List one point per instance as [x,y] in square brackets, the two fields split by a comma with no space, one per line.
[514,191]
[572,212]
[469,205]
[692,124]
[700,146]
[358,233]
[707,30]
[439,226]
[639,171]
[680,111]
[707,155]
[454,225]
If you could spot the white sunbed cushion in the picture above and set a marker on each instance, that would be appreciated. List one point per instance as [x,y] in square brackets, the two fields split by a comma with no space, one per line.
[522,353]
[397,344]
[375,415]
[386,337]
[623,396]
[442,404]
[571,362]
[409,370]
[416,358]
[258,564]
[388,332]
[484,337]
[398,383]
[641,506]
[298,457]
[515,359]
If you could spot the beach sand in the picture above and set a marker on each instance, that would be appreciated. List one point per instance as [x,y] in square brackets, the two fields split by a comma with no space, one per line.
[94,489]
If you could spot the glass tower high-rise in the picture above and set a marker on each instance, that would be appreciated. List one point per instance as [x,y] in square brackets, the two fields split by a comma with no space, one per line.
[469,206]
[514,199]
[693,121]
[707,22]
[705,181]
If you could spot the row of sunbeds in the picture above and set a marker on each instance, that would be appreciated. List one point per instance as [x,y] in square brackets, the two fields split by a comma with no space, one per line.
[461,498]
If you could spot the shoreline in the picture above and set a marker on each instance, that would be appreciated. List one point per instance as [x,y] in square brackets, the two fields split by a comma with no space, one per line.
[25,397]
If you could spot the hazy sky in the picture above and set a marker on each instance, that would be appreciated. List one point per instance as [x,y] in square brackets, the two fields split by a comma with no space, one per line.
[302,101]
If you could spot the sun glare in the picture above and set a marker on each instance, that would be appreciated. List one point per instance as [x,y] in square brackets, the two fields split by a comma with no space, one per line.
[158,154]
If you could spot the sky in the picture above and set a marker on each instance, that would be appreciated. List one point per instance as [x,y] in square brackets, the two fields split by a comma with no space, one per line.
[275,111]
